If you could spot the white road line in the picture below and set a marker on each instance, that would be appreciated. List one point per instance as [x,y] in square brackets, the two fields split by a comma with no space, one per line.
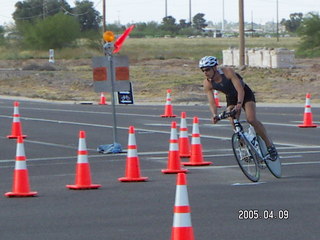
[88,112]
[237,166]
[164,153]
[247,184]
[291,154]
[140,129]
[51,144]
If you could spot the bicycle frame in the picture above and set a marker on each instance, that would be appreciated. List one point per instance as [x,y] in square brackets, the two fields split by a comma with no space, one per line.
[239,130]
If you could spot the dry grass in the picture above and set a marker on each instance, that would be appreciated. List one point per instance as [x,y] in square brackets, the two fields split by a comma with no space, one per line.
[155,66]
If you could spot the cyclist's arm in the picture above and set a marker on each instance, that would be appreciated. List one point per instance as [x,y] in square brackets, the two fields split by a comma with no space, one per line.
[210,95]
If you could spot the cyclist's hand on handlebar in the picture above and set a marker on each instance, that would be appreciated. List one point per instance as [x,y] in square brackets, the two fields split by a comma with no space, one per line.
[237,108]
[215,119]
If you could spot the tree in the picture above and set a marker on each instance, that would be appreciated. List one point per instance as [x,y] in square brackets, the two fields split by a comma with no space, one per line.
[88,17]
[199,22]
[2,31]
[56,31]
[183,24]
[32,10]
[169,25]
[293,23]
[310,33]
[145,29]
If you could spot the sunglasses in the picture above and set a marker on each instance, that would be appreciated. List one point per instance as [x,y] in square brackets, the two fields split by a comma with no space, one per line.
[206,69]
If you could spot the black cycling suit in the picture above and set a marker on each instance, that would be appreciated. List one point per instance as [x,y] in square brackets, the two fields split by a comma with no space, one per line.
[226,86]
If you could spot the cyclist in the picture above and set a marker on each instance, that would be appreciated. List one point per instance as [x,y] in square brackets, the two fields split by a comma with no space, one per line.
[238,95]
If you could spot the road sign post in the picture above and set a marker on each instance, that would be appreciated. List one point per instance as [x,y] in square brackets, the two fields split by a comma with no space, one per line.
[111,74]
[108,49]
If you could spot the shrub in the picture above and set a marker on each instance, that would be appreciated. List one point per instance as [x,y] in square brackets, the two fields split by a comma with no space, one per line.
[310,35]
[56,31]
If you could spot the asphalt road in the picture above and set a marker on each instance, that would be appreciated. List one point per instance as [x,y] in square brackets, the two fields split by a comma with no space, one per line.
[219,194]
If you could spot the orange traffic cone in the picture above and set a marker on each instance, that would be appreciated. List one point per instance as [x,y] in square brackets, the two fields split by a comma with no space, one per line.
[102,99]
[196,158]
[216,98]
[184,143]
[21,186]
[132,172]
[16,130]
[174,162]
[182,227]
[168,111]
[307,118]
[83,173]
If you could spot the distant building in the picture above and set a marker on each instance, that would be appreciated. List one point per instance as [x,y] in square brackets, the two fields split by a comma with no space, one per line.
[216,33]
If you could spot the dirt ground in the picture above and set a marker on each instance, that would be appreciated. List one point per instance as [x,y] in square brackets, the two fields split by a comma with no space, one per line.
[72,80]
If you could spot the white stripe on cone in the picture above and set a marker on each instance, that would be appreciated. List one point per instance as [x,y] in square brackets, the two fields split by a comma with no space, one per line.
[20,150]
[307,110]
[195,140]
[174,145]
[168,99]
[82,158]
[132,139]
[181,196]
[195,129]
[20,165]
[182,220]
[82,146]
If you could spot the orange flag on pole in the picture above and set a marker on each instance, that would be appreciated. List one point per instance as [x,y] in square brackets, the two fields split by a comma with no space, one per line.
[120,40]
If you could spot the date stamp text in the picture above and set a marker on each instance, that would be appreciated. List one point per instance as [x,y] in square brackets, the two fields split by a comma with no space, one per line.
[255,214]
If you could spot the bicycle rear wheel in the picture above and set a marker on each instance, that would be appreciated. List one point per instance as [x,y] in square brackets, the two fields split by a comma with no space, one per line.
[246,157]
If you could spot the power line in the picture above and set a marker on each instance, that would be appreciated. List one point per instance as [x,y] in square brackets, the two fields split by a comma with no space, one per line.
[36,16]
[46,12]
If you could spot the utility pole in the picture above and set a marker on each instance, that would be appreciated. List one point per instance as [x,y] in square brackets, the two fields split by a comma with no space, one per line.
[241,35]
[44,9]
[104,15]
[166,9]
[222,25]
[277,21]
[251,23]
[190,20]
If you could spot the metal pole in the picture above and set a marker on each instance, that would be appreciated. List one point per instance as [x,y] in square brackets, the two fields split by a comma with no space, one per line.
[112,73]
[241,35]
[108,49]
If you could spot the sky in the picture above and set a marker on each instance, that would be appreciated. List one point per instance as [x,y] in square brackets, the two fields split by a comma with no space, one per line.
[131,11]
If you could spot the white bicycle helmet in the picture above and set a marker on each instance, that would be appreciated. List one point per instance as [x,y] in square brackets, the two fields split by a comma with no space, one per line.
[208,61]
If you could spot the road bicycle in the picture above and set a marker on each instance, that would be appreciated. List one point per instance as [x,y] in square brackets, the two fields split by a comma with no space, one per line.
[250,150]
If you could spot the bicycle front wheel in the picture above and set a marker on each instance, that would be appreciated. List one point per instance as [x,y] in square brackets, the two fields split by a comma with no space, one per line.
[246,158]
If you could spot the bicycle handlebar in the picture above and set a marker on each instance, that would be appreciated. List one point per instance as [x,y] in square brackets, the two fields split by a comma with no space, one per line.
[226,114]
